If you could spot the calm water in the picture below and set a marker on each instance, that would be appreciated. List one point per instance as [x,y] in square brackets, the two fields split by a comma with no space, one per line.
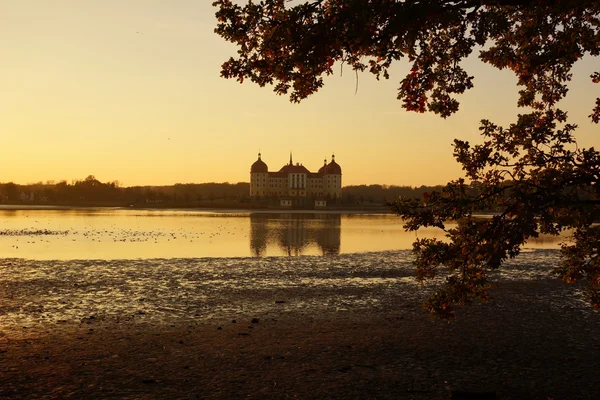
[133,234]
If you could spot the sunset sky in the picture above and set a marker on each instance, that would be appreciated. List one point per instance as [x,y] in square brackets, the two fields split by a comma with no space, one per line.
[130,91]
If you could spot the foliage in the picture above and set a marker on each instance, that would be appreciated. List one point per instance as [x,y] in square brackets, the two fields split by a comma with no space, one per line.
[90,191]
[532,171]
[381,194]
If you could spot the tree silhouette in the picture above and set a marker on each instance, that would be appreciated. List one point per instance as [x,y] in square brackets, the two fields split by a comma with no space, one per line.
[532,170]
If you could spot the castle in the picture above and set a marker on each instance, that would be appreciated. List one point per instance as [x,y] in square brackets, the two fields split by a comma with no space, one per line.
[295,183]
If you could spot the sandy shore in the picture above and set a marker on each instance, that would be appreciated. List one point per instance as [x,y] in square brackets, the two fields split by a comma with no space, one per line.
[535,340]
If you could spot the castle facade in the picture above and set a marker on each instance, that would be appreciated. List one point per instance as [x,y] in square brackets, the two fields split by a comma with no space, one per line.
[296,181]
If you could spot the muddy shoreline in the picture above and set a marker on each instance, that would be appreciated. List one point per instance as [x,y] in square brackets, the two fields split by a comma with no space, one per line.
[346,339]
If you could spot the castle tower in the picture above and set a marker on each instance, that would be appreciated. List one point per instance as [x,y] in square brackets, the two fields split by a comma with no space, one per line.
[332,179]
[259,178]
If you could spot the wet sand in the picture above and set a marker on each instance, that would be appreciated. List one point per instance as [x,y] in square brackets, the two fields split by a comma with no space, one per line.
[291,338]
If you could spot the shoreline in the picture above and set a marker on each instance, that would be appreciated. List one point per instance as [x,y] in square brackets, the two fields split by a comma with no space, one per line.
[225,210]
[521,345]
[215,210]
[309,328]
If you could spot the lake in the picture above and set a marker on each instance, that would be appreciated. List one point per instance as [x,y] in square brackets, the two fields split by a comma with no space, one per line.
[161,266]
[105,233]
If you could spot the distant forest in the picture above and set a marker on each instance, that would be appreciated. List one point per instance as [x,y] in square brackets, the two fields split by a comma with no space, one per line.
[91,191]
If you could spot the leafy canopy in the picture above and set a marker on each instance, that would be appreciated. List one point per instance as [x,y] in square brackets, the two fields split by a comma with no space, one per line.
[531,172]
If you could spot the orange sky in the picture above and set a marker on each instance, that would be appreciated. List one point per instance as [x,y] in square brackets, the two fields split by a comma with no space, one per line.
[130,91]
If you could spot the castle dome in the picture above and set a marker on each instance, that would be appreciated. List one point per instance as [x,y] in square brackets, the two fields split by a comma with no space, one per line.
[323,169]
[333,168]
[259,166]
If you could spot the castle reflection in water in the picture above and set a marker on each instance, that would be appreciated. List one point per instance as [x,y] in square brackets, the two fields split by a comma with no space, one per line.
[295,234]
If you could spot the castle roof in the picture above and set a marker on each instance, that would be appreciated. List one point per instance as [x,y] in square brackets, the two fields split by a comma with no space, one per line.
[294,169]
[323,168]
[259,166]
[332,168]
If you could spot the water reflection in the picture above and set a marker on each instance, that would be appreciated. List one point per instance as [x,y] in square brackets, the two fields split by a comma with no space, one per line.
[132,234]
[295,234]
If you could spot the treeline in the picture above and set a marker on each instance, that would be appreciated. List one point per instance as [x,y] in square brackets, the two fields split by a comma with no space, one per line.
[91,191]
[382,194]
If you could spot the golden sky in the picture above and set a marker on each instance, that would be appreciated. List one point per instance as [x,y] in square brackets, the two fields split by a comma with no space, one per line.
[130,91]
